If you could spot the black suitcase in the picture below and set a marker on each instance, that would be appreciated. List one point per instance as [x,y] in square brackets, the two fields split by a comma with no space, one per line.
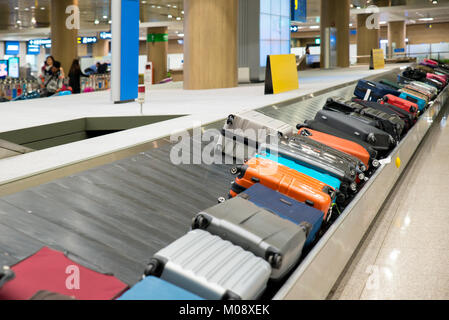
[378,139]
[389,123]
[405,81]
[389,109]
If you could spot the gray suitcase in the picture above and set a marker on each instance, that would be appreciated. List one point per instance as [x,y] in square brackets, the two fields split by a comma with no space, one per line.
[251,128]
[255,229]
[211,267]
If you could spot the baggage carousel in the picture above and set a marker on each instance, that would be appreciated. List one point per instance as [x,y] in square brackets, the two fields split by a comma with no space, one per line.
[113,218]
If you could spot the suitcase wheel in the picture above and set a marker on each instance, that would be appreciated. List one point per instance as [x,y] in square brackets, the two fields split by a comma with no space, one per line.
[230,120]
[362,167]
[221,199]
[376,163]
[200,222]
[362,176]
[154,268]
[353,187]
[371,138]
[275,260]
[234,171]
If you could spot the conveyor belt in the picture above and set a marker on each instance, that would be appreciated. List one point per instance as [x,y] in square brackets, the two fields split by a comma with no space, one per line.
[115,217]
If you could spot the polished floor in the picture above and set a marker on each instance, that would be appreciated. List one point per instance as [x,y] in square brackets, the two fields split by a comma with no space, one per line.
[405,254]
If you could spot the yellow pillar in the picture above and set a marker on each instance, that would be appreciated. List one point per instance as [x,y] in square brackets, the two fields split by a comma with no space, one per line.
[367,39]
[396,36]
[157,51]
[335,14]
[210,44]
[64,46]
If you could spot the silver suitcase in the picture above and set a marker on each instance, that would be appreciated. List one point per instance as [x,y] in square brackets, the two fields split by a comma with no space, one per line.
[251,128]
[424,86]
[211,267]
[255,229]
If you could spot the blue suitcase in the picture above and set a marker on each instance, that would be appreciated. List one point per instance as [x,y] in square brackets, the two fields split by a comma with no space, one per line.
[373,91]
[286,208]
[420,102]
[153,288]
[325,178]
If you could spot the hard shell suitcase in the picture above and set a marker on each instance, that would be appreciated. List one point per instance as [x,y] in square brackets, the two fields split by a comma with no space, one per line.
[391,124]
[285,180]
[343,145]
[403,104]
[430,62]
[425,92]
[6,274]
[415,98]
[378,139]
[277,240]
[211,267]
[286,208]
[250,128]
[442,71]
[439,78]
[372,91]
[323,177]
[320,157]
[406,117]
[250,123]
[425,68]
[153,288]
[431,90]
[324,128]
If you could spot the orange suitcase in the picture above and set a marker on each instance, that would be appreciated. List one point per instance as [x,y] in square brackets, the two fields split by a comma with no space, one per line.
[287,181]
[343,145]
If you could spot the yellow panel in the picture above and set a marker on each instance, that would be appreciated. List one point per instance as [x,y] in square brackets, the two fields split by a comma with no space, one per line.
[284,73]
[378,59]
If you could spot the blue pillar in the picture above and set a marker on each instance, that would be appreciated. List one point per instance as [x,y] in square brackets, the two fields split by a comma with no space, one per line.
[125,50]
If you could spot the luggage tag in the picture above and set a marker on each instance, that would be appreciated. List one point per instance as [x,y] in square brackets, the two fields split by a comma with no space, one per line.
[367,95]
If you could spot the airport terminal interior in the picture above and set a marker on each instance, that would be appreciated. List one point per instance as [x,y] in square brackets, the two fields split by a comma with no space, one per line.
[224,150]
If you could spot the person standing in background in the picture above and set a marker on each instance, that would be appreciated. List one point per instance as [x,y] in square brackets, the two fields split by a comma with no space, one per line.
[75,75]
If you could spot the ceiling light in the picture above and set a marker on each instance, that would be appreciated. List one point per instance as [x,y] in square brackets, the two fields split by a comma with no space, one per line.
[314,27]
[96,21]
[425,19]
[383,22]
[178,18]
[435,2]
[16,8]
[110,21]
[42,8]
[27,9]
[105,17]
[170,16]
[181,35]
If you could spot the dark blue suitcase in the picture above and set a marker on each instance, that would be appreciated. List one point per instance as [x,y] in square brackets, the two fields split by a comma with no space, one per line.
[285,207]
[373,91]
[152,288]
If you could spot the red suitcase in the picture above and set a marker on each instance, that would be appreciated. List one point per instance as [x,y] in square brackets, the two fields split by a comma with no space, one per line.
[403,104]
[442,79]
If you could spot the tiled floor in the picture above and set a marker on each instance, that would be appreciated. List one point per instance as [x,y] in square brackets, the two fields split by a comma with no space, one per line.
[405,254]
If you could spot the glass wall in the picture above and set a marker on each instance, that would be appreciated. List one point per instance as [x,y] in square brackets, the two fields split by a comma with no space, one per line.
[274,28]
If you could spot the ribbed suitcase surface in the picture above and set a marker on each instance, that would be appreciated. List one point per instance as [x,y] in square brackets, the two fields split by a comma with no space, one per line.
[414,98]
[321,157]
[379,139]
[153,288]
[285,207]
[285,180]
[325,128]
[347,146]
[257,121]
[277,240]
[325,178]
[403,104]
[213,268]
